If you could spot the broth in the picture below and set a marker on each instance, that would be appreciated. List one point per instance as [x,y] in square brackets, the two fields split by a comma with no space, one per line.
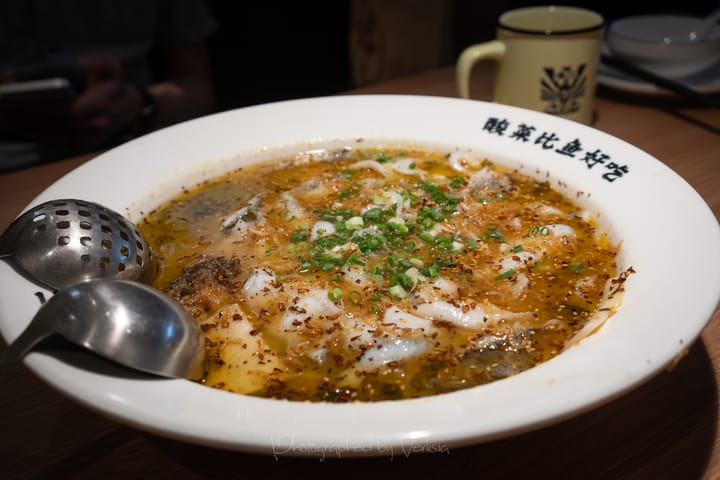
[379,273]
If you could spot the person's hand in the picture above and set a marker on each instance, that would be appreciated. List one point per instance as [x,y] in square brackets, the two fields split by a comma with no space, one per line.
[109,105]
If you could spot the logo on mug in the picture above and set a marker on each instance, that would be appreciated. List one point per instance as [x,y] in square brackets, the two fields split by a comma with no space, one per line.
[562,88]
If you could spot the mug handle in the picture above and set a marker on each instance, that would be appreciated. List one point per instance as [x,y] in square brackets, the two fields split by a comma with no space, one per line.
[492,50]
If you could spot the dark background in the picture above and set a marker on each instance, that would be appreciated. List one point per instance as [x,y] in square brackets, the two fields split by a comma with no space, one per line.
[268,51]
[264,51]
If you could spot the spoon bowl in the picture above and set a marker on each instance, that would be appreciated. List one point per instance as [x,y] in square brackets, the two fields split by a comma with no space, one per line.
[127,322]
[61,242]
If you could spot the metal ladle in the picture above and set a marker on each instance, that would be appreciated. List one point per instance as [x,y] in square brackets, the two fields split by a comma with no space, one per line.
[90,255]
[61,242]
[124,321]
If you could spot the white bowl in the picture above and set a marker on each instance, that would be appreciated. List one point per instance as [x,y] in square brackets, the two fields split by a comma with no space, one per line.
[636,197]
[664,44]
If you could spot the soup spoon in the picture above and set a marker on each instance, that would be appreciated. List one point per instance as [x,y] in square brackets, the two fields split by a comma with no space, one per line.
[709,24]
[127,322]
[61,242]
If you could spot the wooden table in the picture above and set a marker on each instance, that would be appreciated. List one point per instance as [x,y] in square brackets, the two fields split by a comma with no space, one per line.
[668,428]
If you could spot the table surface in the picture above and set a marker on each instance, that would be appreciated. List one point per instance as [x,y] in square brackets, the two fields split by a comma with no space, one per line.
[667,428]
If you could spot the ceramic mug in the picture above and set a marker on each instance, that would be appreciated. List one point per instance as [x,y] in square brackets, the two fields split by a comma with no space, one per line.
[547,57]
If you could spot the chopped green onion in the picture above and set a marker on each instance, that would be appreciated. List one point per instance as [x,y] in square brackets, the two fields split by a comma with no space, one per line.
[372,215]
[426,236]
[505,274]
[443,241]
[336,214]
[431,271]
[355,297]
[427,223]
[397,292]
[494,234]
[446,262]
[457,182]
[517,249]
[576,267]
[398,227]
[335,295]
[353,259]
[354,223]
[544,230]
[447,201]
[416,262]
[299,236]
[405,281]
[409,246]
[409,196]
[432,213]
[382,158]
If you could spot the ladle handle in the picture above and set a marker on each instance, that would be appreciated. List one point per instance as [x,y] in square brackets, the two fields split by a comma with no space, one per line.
[31,336]
[711,22]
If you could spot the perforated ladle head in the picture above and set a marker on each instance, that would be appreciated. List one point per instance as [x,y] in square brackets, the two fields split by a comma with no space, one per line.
[62,242]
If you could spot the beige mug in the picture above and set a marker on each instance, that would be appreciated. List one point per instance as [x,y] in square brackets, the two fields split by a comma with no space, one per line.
[547,57]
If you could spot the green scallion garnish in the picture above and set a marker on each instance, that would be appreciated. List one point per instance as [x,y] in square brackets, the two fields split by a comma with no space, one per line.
[506,274]
[335,295]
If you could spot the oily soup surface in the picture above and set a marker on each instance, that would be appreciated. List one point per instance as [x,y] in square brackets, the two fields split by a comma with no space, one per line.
[376,274]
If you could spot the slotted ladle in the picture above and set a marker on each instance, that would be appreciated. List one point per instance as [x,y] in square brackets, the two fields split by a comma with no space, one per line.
[61,242]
